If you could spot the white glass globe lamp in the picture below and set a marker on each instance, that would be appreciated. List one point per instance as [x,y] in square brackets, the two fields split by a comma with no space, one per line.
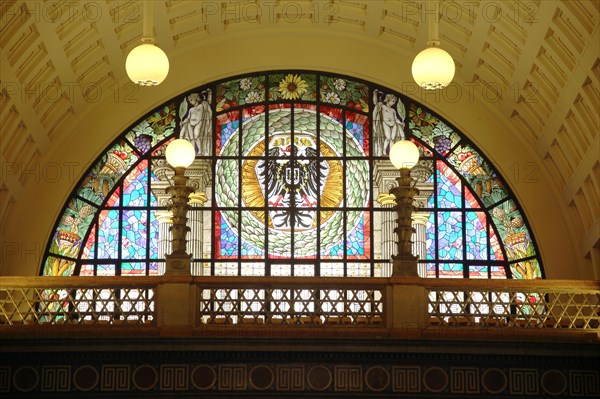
[433,68]
[147,64]
[180,153]
[404,154]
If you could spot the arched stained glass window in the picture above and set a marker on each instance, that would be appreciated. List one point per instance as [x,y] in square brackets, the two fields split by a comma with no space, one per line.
[292,179]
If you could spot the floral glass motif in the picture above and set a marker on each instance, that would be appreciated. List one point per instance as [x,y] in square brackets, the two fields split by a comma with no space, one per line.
[290,161]
[241,91]
[293,86]
[347,92]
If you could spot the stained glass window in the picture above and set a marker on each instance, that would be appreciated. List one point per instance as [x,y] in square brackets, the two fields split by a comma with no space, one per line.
[292,179]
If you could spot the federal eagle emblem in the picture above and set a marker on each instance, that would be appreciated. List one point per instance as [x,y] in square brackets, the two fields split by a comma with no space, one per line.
[292,178]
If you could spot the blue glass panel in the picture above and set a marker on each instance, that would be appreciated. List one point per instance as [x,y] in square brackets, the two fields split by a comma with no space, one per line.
[135,186]
[450,241]
[430,235]
[106,270]
[133,269]
[478,271]
[476,233]
[134,234]
[108,234]
[228,238]
[153,250]
[356,130]
[153,268]
[249,250]
[451,270]
[355,244]
[229,129]
[448,192]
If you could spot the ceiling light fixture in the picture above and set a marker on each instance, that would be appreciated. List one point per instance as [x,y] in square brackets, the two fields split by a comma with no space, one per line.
[433,68]
[147,64]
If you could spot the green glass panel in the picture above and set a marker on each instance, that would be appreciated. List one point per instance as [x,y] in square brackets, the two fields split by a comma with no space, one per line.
[74,224]
[58,267]
[247,90]
[227,188]
[513,230]
[526,269]
[253,130]
[153,129]
[357,183]
[482,177]
[430,129]
[279,244]
[280,119]
[337,90]
[104,175]
[293,86]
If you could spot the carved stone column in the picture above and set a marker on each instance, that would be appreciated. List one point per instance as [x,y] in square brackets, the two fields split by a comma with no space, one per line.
[421,173]
[384,176]
[387,225]
[164,174]
[199,173]
[165,219]
[419,223]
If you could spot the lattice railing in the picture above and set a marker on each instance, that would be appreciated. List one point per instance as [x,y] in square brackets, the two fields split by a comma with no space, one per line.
[292,304]
[64,303]
[519,304]
[294,301]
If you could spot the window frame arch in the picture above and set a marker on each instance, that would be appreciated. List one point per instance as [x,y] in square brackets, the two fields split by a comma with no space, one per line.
[318,102]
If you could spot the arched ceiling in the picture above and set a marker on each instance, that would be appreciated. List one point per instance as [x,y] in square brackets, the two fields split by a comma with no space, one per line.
[531,68]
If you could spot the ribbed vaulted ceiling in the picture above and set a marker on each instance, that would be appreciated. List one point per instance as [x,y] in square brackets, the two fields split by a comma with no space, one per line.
[538,61]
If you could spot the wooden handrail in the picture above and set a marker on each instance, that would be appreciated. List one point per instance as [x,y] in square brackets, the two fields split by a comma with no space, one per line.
[467,284]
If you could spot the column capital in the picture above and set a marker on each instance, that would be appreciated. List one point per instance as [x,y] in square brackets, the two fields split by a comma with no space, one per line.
[164,216]
[386,199]
[420,218]
[199,174]
[384,175]
[198,197]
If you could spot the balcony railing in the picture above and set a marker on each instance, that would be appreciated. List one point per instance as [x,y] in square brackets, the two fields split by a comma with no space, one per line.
[76,300]
[292,301]
[556,304]
[280,302]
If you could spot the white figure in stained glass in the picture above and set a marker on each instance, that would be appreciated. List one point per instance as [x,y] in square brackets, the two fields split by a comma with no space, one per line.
[388,125]
[196,124]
